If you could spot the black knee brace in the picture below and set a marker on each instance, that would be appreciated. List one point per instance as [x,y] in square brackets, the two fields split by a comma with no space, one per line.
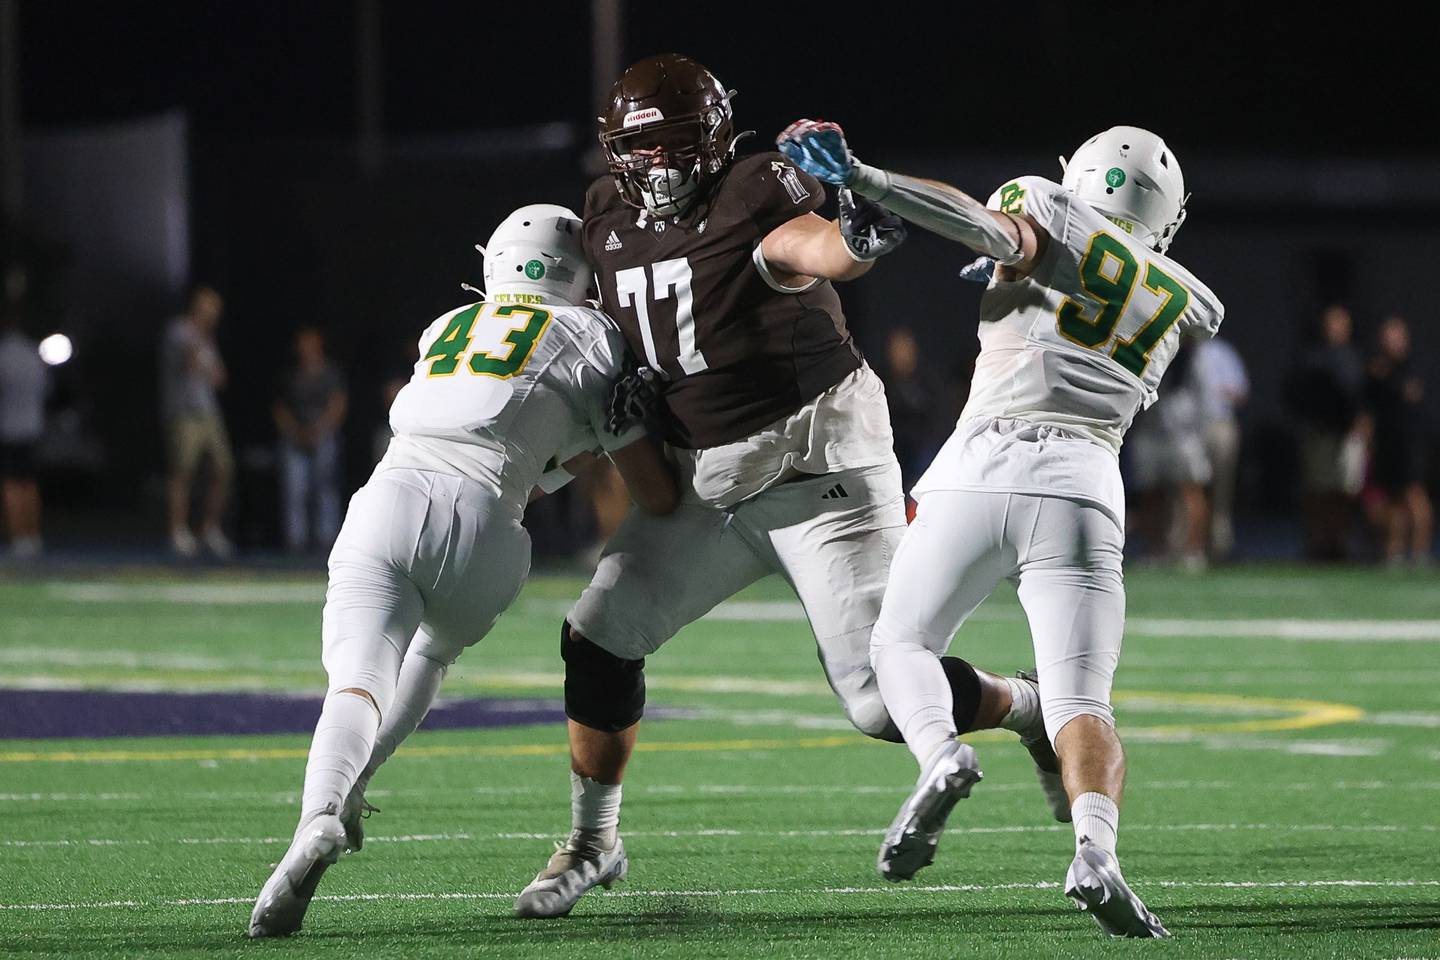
[602,691]
[964,690]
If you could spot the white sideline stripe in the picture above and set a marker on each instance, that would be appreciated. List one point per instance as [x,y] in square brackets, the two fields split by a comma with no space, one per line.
[764,610]
[228,593]
[211,841]
[893,890]
[721,832]
[1364,631]
[703,789]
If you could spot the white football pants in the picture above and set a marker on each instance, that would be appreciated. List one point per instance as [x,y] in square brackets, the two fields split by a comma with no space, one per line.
[830,536]
[1065,556]
[424,564]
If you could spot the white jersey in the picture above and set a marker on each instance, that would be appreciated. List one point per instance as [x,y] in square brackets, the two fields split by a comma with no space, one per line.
[1069,354]
[501,393]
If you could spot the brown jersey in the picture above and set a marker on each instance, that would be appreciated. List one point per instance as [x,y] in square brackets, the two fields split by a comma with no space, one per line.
[737,353]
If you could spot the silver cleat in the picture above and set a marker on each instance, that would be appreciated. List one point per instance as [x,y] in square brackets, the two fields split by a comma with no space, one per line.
[1095,884]
[910,842]
[281,906]
[577,866]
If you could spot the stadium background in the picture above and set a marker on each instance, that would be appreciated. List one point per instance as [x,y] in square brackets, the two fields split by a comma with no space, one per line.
[320,164]
[333,163]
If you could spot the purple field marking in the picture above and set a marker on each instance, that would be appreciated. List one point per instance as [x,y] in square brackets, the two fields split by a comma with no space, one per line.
[38,714]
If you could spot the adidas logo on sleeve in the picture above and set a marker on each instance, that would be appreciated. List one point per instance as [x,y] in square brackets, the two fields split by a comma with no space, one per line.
[612,242]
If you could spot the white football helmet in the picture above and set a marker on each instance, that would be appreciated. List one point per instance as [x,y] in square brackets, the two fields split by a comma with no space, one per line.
[536,256]
[1130,176]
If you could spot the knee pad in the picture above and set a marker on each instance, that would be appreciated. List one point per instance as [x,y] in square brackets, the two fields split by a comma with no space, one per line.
[602,691]
[869,716]
[964,690]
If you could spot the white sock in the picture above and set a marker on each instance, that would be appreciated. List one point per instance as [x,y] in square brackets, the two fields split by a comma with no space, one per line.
[595,807]
[1024,715]
[343,739]
[1096,819]
[917,694]
[415,691]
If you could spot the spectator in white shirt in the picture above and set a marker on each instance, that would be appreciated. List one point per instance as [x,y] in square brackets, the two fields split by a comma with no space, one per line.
[192,373]
[1224,388]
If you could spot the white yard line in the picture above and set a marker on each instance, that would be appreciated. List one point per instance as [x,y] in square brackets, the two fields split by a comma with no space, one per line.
[1427,720]
[703,833]
[893,890]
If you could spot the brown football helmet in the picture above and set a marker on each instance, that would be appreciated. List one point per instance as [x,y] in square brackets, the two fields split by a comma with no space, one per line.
[679,113]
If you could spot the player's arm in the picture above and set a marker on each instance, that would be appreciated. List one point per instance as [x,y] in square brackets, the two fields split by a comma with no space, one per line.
[1013,240]
[648,476]
[807,247]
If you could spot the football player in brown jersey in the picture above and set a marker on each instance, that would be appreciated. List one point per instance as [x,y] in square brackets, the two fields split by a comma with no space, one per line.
[718,271]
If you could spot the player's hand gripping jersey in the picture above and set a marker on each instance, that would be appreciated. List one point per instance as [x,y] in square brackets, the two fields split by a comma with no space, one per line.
[697,303]
[503,392]
[1079,345]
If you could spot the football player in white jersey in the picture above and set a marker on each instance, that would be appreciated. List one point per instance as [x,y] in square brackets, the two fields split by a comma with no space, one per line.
[1080,318]
[432,550]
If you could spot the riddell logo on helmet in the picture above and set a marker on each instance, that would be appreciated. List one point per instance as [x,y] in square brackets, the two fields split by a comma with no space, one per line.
[636,117]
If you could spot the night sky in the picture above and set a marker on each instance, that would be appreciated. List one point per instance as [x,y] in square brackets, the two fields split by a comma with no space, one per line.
[1241,78]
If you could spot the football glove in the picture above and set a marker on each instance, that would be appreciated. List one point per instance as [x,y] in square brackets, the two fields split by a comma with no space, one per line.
[868,229]
[818,147]
[635,399]
[979,271]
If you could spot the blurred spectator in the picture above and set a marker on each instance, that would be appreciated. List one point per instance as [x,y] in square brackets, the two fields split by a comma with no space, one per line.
[1325,392]
[916,404]
[1224,388]
[192,373]
[308,416]
[380,440]
[1394,394]
[24,382]
[1170,467]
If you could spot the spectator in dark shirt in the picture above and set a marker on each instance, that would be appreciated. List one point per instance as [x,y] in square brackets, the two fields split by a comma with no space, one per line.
[308,416]
[1325,393]
[24,383]
[1394,394]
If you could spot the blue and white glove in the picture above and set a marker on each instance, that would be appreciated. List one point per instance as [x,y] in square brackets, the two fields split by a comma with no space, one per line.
[868,229]
[979,271]
[818,147]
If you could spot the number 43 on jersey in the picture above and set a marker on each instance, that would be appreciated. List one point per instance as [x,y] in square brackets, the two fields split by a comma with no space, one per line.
[498,339]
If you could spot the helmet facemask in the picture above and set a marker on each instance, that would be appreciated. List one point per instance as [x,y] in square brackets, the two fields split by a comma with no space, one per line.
[663,166]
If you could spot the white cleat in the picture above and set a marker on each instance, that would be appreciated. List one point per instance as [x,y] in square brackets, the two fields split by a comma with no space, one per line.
[577,867]
[1095,884]
[281,906]
[910,842]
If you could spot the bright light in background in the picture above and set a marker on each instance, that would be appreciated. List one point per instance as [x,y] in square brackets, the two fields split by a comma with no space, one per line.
[56,349]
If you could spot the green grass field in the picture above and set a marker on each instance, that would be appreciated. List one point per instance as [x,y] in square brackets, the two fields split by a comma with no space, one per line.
[1283,729]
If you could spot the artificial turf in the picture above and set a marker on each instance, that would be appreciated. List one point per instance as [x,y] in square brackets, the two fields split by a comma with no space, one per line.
[1282,725]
